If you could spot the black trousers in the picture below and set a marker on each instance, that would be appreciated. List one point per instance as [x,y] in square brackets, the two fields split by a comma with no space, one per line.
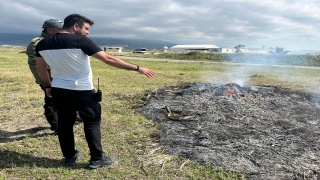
[68,103]
[50,110]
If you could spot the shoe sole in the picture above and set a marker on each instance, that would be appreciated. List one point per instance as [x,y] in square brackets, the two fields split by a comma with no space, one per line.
[78,156]
[97,166]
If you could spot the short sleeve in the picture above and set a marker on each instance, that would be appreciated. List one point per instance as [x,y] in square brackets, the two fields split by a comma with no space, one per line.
[89,47]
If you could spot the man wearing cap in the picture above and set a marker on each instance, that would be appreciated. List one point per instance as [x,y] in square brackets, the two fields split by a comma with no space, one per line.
[50,27]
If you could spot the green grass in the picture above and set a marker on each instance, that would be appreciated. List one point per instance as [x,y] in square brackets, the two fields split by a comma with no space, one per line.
[128,135]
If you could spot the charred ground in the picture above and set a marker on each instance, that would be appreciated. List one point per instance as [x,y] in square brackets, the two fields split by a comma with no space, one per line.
[266,132]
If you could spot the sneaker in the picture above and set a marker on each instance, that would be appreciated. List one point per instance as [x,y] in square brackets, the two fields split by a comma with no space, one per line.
[104,161]
[71,161]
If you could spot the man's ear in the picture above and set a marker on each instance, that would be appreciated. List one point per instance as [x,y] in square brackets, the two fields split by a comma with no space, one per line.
[75,26]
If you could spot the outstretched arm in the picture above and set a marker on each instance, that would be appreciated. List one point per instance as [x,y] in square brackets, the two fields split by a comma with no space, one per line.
[119,63]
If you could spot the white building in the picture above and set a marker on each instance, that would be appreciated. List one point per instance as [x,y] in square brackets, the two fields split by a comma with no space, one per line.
[112,49]
[192,48]
[200,48]
[224,50]
[165,49]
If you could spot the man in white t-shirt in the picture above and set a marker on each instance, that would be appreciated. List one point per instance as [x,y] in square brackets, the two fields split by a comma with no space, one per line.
[72,91]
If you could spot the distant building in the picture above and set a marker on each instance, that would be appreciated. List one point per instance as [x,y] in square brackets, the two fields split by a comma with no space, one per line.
[112,49]
[224,50]
[257,50]
[214,48]
[165,49]
[200,48]
[244,50]
[193,48]
[141,51]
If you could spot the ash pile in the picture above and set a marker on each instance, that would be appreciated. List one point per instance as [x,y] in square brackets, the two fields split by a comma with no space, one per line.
[266,132]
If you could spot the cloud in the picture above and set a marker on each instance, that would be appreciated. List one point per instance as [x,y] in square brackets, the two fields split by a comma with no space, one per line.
[292,24]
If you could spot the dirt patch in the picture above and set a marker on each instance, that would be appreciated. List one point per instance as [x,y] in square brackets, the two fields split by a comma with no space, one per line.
[266,132]
[19,129]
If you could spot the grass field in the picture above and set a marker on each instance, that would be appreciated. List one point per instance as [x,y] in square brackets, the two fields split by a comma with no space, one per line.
[29,150]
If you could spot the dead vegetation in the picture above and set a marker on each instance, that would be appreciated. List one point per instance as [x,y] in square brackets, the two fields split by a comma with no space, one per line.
[266,132]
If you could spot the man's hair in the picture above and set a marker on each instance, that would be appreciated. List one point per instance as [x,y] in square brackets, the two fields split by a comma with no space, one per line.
[72,19]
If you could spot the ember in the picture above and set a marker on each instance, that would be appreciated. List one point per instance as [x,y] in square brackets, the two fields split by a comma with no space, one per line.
[229,92]
[267,132]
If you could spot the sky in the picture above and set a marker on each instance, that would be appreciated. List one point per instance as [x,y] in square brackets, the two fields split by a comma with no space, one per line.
[291,24]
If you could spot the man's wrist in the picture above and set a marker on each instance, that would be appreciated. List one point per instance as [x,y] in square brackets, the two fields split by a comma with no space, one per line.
[47,87]
[137,68]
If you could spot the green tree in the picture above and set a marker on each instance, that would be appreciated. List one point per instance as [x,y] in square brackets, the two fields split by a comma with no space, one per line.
[238,48]
[279,50]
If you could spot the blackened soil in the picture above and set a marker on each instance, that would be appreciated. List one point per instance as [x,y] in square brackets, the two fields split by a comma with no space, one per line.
[266,132]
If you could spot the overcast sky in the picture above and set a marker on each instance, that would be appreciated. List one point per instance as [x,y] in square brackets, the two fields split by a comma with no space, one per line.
[292,24]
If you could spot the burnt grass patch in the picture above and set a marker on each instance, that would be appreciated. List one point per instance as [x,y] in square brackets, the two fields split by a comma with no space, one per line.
[265,132]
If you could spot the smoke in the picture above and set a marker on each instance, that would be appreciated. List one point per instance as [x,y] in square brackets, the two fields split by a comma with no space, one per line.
[302,78]
[239,75]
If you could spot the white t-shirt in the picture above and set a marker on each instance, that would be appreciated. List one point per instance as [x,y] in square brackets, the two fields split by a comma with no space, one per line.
[68,57]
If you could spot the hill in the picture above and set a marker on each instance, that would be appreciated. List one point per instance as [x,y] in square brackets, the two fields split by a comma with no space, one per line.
[132,43]
[24,39]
